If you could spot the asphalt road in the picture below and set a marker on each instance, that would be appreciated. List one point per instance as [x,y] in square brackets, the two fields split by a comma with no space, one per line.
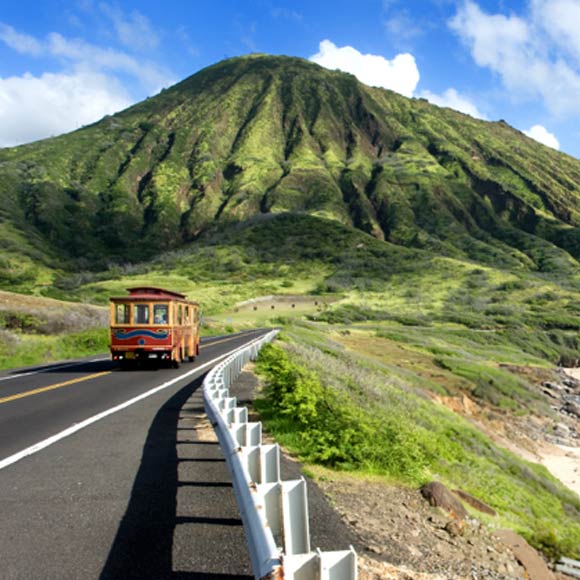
[134,494]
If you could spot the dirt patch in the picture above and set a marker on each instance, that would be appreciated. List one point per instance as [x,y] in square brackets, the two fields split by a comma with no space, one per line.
[564,463]
[535,566]
[398,528]
[406,359]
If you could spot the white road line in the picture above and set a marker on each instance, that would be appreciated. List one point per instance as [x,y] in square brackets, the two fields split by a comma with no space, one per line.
[78,426]
[50,368]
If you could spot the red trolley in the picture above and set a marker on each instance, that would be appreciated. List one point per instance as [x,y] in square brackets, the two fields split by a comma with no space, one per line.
[154,324]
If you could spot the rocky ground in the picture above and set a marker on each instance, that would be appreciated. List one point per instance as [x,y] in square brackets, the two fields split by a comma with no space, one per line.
[398,535]
[401,537]
[561,388]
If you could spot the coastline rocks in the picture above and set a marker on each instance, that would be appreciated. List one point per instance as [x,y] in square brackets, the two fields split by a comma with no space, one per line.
[572,408]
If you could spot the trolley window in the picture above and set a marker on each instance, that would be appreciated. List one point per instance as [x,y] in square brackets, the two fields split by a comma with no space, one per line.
[122,315]
[180,314]
[141,314]
[160,313]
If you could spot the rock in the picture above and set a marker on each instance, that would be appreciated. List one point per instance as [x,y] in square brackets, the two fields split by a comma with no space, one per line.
[454,528]
[509,569]
[414,551]
[440,496]
[572,383]
[475,503]
[534,565]
[552,386]
[572,408]
[561,430]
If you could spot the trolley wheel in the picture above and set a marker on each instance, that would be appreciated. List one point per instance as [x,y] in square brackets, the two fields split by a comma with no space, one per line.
[176,362]
[125,365]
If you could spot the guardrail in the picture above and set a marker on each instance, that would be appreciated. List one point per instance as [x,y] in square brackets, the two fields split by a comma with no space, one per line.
[569,567]
[274,512]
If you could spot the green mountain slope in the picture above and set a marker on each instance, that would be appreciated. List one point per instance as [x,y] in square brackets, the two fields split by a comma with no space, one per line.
[263,134]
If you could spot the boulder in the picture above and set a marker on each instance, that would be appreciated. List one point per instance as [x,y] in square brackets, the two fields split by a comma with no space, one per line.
[454,528]
[572,383]
[572,408]
[440,496]
[475,503]
[561,430]
[535,566]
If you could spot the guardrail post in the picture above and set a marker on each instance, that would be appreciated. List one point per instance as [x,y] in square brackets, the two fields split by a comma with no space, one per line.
[263,463]
[247,434]
[295,510]
[287,514]
[339,565]
[274,512]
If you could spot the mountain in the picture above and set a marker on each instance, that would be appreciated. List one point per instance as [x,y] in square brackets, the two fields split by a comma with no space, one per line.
[270,134]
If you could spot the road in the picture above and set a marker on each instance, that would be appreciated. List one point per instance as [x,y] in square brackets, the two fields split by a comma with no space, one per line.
[121,487]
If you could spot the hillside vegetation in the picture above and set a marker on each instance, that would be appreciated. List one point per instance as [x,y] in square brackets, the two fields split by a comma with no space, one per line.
[262,135]
[438,255]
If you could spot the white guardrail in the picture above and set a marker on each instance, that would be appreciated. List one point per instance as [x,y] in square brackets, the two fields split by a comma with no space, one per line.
[274,512]
[569,567]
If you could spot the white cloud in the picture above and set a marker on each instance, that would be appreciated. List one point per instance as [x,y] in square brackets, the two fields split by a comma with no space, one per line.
[402,27]
[559,19]
[400,74]
[535,56]
[92,83]
[493,38]
[542,135]
[22,43]
[133,31]
[286,14]
[452,99]
[33,108]
[85,56]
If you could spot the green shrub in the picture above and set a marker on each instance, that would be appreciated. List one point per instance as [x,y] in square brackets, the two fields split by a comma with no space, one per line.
[36,349]
[328,428]
[21,321]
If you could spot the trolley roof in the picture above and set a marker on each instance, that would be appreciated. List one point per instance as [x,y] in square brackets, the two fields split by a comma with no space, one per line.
[152,293]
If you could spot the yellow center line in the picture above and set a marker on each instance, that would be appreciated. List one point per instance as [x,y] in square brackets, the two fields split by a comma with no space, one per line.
[81,379]
[52,387]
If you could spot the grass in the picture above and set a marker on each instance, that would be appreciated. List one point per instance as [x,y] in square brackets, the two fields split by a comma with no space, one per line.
[36,330]
[31,349]
[331,408]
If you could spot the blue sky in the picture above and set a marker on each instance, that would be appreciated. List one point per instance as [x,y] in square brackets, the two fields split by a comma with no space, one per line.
[67,63]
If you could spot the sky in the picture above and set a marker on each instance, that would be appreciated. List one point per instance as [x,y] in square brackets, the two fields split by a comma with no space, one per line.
[68,63]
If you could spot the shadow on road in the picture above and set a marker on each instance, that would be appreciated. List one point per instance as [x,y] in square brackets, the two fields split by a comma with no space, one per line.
[182,522]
